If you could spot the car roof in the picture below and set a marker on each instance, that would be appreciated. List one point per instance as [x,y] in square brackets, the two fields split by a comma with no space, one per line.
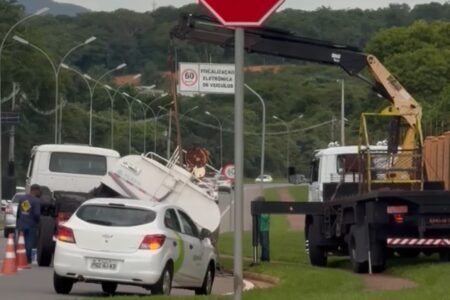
[146,204]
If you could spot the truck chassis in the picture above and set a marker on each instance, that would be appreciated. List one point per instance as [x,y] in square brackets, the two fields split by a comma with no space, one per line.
[370,227]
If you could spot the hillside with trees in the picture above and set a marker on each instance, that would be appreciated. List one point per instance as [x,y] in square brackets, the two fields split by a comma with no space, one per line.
[414,43]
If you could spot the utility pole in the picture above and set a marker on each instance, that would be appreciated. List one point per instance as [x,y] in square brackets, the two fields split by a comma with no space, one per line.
[12,134]
[342,112]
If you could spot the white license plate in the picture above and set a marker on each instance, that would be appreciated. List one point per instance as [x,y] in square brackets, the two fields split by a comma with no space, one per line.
[103,264]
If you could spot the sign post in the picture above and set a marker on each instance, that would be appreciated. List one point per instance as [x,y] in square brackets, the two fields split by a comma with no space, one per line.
[240,14]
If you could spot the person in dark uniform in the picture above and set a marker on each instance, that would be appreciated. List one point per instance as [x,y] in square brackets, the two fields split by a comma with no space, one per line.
[264,226]
[28,216]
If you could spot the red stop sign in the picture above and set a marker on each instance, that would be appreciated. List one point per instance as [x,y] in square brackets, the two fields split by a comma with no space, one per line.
[242,13]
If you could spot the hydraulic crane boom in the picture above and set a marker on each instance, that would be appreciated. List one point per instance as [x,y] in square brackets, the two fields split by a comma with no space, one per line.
[283,43]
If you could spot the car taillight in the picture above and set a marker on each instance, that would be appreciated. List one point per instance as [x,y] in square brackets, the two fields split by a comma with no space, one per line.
[153,242]
[65,234]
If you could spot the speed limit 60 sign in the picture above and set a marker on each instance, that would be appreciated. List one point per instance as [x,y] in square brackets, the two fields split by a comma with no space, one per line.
[207,78]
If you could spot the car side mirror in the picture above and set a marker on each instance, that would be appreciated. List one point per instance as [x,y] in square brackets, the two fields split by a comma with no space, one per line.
[204,234]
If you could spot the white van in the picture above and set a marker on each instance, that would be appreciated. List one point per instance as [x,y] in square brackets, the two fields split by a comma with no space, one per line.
[74,168]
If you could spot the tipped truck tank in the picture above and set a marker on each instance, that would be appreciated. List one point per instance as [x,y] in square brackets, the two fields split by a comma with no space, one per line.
[145,178]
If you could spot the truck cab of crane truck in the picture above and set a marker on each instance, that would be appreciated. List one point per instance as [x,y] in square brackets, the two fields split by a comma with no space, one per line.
[334,164]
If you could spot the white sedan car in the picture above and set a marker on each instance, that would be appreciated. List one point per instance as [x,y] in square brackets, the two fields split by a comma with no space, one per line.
[133,242]
[265,178]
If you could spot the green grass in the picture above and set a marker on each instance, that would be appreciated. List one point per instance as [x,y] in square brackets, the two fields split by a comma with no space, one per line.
[298,280]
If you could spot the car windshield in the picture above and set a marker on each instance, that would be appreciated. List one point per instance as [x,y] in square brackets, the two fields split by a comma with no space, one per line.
[77,163]
[120,216]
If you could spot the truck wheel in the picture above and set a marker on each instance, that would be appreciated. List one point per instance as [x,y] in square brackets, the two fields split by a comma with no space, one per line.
[62,285]
[357,267]
[408,253]
[45,245]
[317,254]
[379,256]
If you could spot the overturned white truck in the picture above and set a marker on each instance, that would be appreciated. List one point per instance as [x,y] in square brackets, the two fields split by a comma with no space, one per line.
[71,174]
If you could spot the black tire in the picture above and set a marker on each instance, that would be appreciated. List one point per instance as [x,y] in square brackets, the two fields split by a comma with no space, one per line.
[357,267]
[208,281]
[109,287]
[164,284]
[379,256]
[317,254]
[62,285]
[408,253]
[45,243]
[7,231]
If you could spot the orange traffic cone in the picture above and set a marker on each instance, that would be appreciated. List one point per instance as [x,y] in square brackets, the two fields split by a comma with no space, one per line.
[9,263]
[21,255]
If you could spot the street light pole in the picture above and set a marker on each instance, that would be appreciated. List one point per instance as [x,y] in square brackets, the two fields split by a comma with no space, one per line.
[97,81]
[124,96]
[144,110]
[263,134]
[156,120]
[288,140]
[287,145]
[221,136]
[8,33]
[58,70]
[52,64]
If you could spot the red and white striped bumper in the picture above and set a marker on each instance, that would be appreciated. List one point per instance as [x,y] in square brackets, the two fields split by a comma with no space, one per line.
[417,243]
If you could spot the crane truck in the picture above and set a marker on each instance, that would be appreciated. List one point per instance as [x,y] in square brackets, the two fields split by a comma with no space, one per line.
[369,200]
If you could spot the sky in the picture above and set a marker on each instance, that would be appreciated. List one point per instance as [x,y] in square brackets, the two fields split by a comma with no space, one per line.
[146,5]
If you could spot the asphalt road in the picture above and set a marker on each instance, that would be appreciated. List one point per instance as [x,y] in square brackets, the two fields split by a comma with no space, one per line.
[37,282]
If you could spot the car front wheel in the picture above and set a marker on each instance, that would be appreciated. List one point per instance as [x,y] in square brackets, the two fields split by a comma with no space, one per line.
[207,282]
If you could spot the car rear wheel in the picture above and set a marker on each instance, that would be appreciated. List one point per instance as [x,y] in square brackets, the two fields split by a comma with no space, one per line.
[207,282]
[164,284]
[62,285]
[109,288]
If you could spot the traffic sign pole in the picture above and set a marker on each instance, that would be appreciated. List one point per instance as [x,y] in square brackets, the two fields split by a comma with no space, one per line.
[239,161]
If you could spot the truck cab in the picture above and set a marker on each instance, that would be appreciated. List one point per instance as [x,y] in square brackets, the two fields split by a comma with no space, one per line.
[333,166]
[74,168]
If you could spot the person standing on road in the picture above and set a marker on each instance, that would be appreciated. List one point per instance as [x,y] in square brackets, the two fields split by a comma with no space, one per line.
[264,225]
[28,216]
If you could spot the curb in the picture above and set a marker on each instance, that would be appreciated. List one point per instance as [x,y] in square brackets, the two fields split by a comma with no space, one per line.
[262,277]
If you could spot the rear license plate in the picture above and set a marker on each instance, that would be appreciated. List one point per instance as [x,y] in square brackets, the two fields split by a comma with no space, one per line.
[103,264]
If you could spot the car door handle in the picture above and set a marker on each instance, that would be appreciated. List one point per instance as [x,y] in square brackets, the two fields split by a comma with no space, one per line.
[191,247]
[175,244]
